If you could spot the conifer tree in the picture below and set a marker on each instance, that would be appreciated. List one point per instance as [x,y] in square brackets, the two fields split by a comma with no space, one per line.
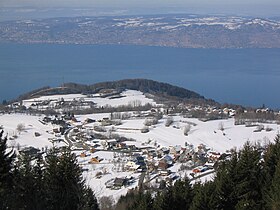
[63,182]
[163,200]
[271,158]
[248,184]
[89,201]
[204,197]
[6,175]
[29,189]
[126,201]
[143,201]
[225,182]
[179,196]
[273,195]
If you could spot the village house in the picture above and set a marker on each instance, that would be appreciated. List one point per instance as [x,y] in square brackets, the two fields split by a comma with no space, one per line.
[119,182]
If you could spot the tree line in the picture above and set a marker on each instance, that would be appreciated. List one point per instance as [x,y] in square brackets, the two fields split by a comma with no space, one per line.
[51,183]
[144,85]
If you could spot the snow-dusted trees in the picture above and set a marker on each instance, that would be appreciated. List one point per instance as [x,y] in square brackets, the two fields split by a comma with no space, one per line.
[53,183]
[145,129]
[135,103]
[187,129]
[149,122]
[169,121]
[20,127]
[6,166]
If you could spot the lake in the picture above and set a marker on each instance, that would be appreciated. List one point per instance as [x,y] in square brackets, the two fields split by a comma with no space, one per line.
[240,76]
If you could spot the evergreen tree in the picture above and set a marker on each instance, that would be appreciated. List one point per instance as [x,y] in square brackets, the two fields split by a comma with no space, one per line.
[176,197]
[6,174]
[225,182]
[63,182]
[29,188]
[271,158]
[143,201]
[204,197]
[127,201]
[89,201]
[248,184]
[273,195]
[158,201]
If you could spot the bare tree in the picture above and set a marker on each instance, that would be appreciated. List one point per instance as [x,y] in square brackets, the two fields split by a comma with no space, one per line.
[20,127]
[169,121]
[145,129]
[135,103]
[187,129]
[221,126]
[149,122]
[125,116]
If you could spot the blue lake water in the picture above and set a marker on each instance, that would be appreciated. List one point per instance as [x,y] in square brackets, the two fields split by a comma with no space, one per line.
[241,76]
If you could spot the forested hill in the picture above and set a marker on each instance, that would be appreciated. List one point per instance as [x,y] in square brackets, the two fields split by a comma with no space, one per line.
[150,86]
[143,85]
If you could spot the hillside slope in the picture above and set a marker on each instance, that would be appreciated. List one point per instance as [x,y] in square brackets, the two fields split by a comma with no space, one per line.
[155,88]
[189,31]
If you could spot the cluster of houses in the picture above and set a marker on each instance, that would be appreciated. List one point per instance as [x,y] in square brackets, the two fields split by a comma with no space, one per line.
[149,158]
[56,104]
[158,161]
[119,182]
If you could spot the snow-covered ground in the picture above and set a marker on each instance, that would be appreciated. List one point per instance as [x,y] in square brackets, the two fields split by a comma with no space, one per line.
[203,133]
[207,133]
[127,97]
[26,137]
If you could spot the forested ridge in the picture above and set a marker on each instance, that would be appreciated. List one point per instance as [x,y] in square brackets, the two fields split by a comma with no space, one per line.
[144,85]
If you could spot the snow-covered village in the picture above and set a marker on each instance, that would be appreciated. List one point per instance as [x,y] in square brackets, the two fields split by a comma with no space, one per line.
[125,150]
[139,105]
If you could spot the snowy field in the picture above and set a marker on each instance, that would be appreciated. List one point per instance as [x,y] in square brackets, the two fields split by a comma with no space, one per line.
[34,132]
[127,97]
[203,132]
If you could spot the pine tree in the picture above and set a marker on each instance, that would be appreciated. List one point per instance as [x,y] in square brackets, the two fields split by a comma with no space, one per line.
[143,201]
[273,195]
[204,197]
[89,201]
[271,158]
[225,182]
[125,201]
[179,196]
[159,201]
[63,182]
[29,188]
[6,175]
[248,184]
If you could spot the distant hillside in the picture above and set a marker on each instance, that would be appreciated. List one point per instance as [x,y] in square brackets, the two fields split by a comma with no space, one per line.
[149,86]
[159,89]
[190,31]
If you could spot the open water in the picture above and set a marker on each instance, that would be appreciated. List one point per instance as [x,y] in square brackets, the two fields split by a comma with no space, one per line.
[240,76]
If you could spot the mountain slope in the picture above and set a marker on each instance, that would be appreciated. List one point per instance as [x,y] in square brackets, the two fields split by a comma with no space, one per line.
[191,31]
